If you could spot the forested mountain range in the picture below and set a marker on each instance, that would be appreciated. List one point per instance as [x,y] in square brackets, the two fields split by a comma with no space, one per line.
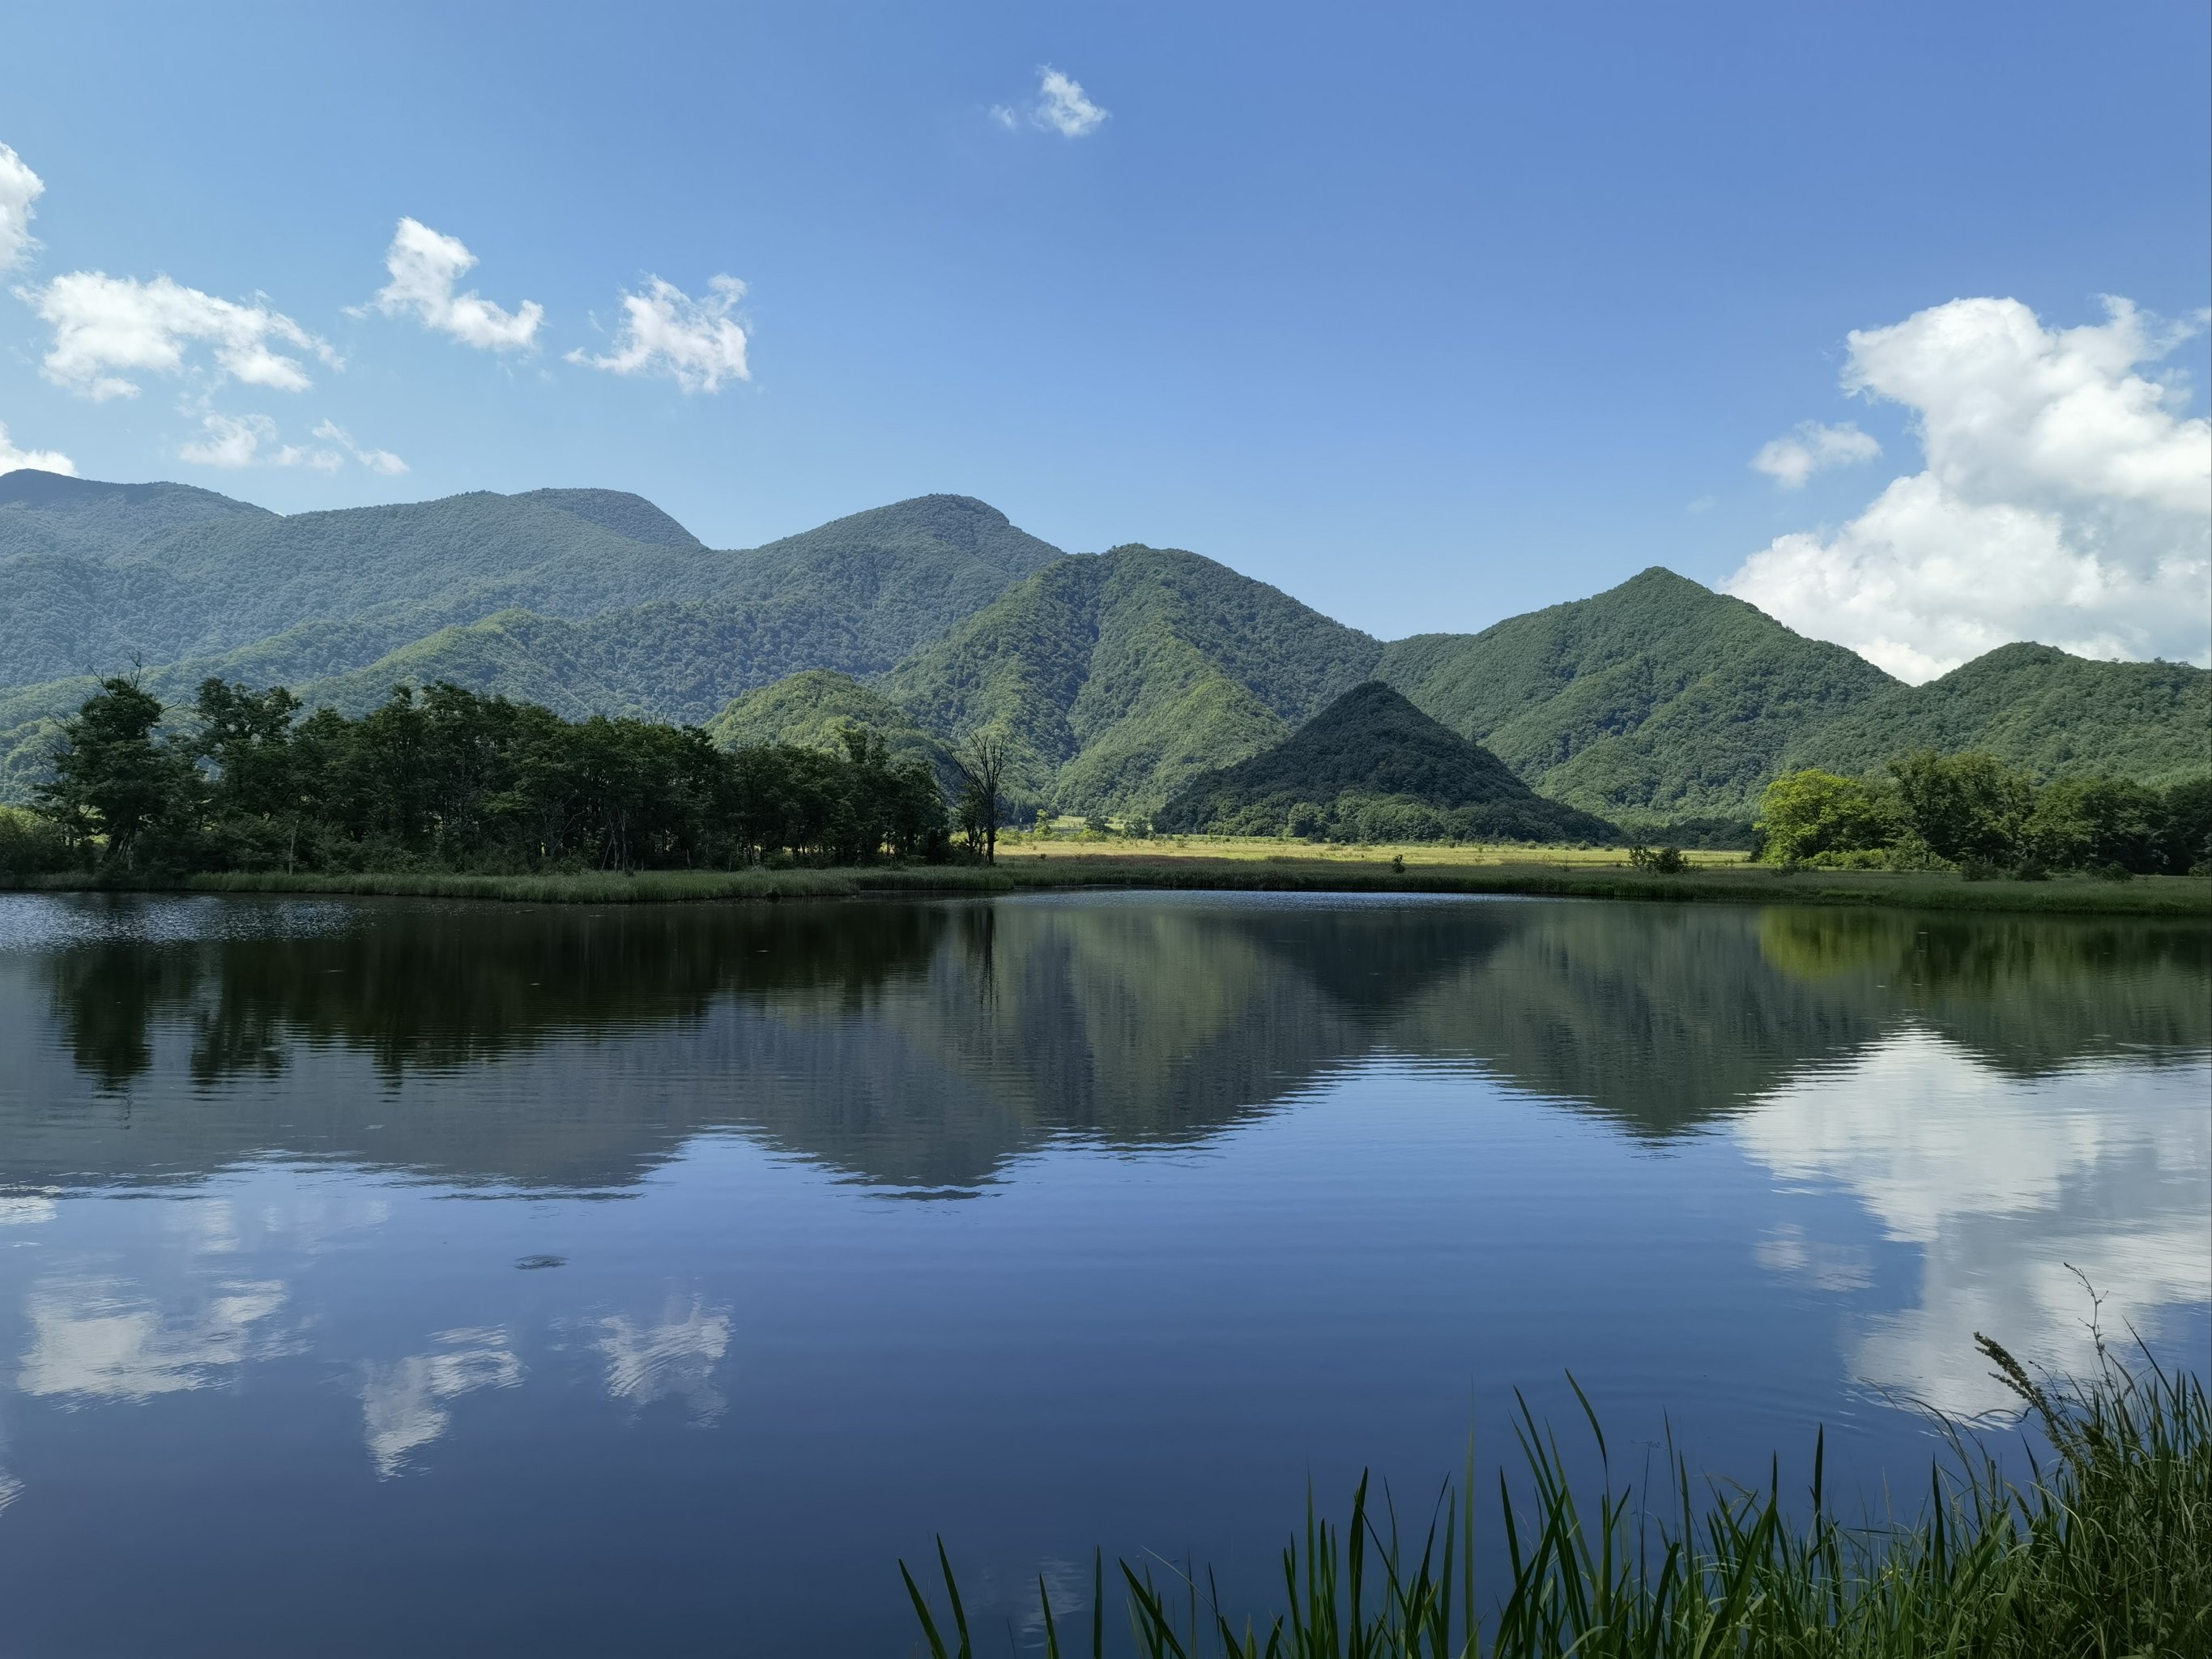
[1122,675]
[1658,695]
[2039,708]
[588,601]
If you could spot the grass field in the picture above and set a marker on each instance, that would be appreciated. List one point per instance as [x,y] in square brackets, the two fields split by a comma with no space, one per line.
[1028,863]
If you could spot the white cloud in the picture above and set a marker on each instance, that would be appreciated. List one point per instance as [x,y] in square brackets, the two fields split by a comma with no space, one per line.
[2065,500]
[424,267]
[1813,449]
[45,460]
[376,460]
[1061,106]
[698,343]
[19,188]
[241,440]
[103,324]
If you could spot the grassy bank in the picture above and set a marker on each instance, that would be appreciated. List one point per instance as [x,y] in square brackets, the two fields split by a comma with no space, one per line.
[2106,1552]
[1260,867]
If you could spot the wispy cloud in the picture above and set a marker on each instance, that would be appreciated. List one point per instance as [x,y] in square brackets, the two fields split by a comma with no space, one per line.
[1061,106]
[376,460]
[425,267]
[698,343]
[1791,459]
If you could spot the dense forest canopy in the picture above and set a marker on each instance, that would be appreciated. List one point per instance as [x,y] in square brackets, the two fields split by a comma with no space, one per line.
[446,779]
[1974,812]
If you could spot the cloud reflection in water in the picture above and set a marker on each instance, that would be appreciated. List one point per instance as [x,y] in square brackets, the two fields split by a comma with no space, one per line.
[2005,1185]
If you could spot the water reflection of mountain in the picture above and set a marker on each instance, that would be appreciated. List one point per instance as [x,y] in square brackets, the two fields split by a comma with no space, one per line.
[925,1044]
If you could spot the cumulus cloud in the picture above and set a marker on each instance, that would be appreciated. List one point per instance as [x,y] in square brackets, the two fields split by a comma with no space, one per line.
[104,323]
[19,188]
[1813,449]
[1061,106]
[2065,499]
[698,343]
[425,267]
[45,460]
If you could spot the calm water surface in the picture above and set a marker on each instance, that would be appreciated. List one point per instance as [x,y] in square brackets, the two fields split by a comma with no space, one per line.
[397,1277]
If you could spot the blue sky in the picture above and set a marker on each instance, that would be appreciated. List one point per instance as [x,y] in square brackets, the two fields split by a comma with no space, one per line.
[1427,314]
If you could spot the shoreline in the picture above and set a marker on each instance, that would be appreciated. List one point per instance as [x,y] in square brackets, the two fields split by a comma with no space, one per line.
[2167,897]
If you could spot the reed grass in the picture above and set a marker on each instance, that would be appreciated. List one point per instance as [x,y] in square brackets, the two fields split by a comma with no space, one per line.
[2105,1552]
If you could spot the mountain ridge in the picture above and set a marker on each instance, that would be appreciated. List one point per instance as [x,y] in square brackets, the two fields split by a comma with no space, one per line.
[1123,674]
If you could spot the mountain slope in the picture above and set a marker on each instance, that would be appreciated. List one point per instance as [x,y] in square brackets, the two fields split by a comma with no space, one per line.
[1122,674]
[48,513]
[587,600]
[813,710]
[2039,708]
[1656,695]
[1371,766]
[95,578]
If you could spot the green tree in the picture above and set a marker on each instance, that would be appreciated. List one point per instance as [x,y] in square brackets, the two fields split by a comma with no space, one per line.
[1804,814]
[2186,827]
[2088,824]
[114,780]
[1966,808]
[984,761]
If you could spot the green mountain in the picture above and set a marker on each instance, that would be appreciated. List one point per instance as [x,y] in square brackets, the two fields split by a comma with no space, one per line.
[1371,767]
[2039,708]
[1656,697]
[1123,674]
[814,708]
[586,600]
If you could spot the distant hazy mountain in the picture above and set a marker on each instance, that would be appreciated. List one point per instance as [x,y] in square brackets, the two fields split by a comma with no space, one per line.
[2054,714]
[1123,674]
[1657,696]
[1371,766]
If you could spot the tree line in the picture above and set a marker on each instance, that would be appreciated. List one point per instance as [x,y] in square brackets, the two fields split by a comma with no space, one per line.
[1974,813]
[442,778]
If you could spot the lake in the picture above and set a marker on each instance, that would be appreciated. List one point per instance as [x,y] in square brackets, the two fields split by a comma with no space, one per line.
[383,1277]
